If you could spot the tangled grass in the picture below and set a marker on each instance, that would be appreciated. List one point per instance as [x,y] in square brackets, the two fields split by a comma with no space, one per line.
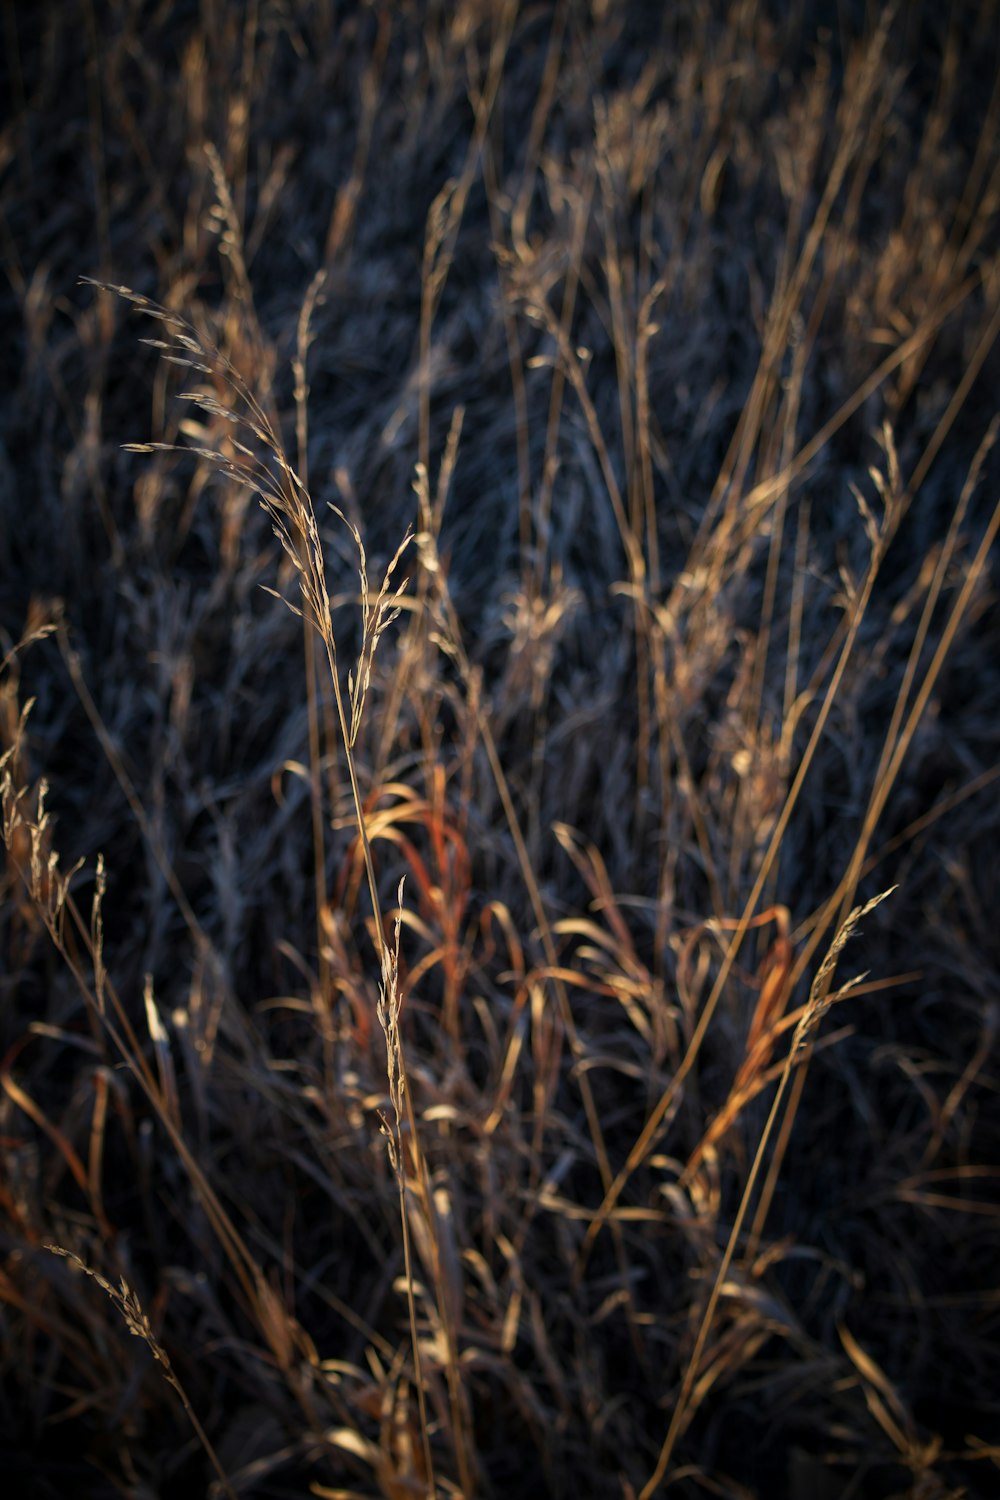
[526,1027]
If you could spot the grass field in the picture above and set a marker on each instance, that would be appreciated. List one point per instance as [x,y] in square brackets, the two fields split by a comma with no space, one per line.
[499,716]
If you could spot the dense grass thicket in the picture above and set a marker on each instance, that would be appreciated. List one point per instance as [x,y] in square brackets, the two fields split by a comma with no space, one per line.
[499,717]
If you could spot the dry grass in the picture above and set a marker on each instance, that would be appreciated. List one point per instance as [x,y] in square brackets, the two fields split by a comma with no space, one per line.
[414,1019]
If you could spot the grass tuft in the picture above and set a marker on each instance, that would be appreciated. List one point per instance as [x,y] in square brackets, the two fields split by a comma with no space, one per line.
[540,462]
